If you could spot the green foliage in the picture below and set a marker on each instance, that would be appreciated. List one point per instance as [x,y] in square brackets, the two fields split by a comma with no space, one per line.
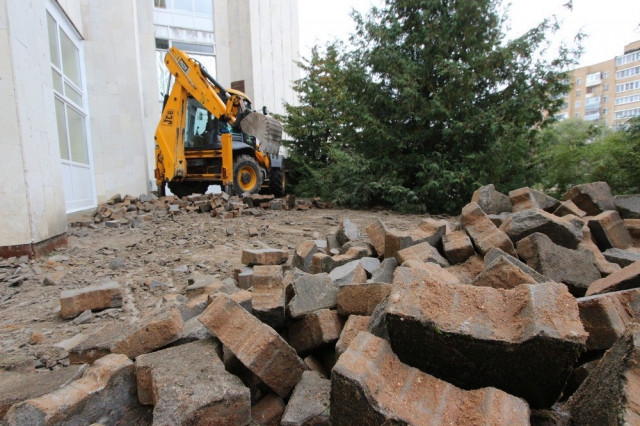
[576,151]
[427,103]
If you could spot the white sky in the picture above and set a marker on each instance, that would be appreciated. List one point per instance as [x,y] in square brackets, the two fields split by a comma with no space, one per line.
[610,24]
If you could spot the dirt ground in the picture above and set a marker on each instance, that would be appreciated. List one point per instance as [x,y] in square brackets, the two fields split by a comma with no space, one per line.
[166,251]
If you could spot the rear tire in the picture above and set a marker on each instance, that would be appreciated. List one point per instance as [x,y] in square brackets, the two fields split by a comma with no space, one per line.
[246,175]
[277,181]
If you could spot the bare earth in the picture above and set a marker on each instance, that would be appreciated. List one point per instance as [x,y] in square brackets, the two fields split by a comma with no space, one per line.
[166,250]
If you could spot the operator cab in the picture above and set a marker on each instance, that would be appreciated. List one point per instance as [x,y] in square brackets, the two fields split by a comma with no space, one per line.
[203,130]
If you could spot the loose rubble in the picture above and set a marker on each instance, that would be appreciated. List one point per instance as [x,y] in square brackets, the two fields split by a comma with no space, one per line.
[213,309]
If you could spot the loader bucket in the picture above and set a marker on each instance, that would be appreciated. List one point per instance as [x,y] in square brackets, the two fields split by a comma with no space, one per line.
[267,129]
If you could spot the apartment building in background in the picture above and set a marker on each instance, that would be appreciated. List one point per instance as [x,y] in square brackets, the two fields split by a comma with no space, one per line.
[81,83]
[607,91]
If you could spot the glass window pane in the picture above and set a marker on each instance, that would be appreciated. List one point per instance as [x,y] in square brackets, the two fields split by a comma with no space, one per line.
[53,40]
[77,137]
[57,81]
[191,47]
[163,74]
[62,130]
[183,5]
[72,94]
[162,4]
[209,63]
[70,59]
[204,6]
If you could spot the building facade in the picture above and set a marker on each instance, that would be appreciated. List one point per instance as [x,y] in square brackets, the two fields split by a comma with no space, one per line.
[608,91]
[81,83]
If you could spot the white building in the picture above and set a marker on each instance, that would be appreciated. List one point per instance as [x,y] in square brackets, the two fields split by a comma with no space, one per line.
[80,89]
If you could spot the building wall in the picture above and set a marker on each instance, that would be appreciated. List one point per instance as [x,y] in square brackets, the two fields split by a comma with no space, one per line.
[606,88]
[32,183]
[123,105]
[263,46]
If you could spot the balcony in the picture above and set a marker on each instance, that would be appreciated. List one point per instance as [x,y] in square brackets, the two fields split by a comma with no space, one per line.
[592,117]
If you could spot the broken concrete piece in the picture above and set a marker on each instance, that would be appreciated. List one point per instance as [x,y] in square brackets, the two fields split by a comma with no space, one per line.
[429,231]
[609,231]
[324,263]
[628,206]
[15,388]
[269,410]
[377,232]
[623,258]
[371,386]
[314,330]
[420,271]
[624,279]
[352,272]
[303,254]
[361,299]
[522,224]
[106,391]
[523,199]
[606,316]
[348,231]
[244,277]
[309,403]
[354,325]
[384,273]
[604,266]
[423,252]
[484,234]
[502,274]
[609,394]
[312,292]
[569,208]
[467,271]
[546,202]
[496,253]
[491,201]
[95,297]
[188,384]
[264,257]
[147,334]
[255,344]
[457,247]
[594,198]
[575,268]
[269,301]
[481,336]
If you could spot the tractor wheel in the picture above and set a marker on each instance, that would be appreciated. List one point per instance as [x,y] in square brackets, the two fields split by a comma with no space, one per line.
[246,175]
[277,181]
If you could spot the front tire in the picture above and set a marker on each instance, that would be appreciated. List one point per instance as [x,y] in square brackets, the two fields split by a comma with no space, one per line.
[246,175]
[277,182]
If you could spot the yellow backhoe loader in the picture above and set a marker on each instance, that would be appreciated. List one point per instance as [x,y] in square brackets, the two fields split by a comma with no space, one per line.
[210,135]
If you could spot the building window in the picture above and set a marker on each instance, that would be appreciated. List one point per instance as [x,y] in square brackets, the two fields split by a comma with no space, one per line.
[562,116]
[625,87]
[578,81]
[627,113]
[627,72]
[605,74]
[577,115]
[605,99]
[595,77]
[565,105]
[631,57]
[605,88]
[205,54]
[605,111]
[578,92]
[592,101]
[627,99]
[197,7]
[71,110]
[577,104]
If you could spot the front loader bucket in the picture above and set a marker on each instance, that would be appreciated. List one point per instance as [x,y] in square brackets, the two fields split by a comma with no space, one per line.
[267,129]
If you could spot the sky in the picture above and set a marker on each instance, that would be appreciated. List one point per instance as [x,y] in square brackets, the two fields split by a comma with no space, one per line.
[610,25]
